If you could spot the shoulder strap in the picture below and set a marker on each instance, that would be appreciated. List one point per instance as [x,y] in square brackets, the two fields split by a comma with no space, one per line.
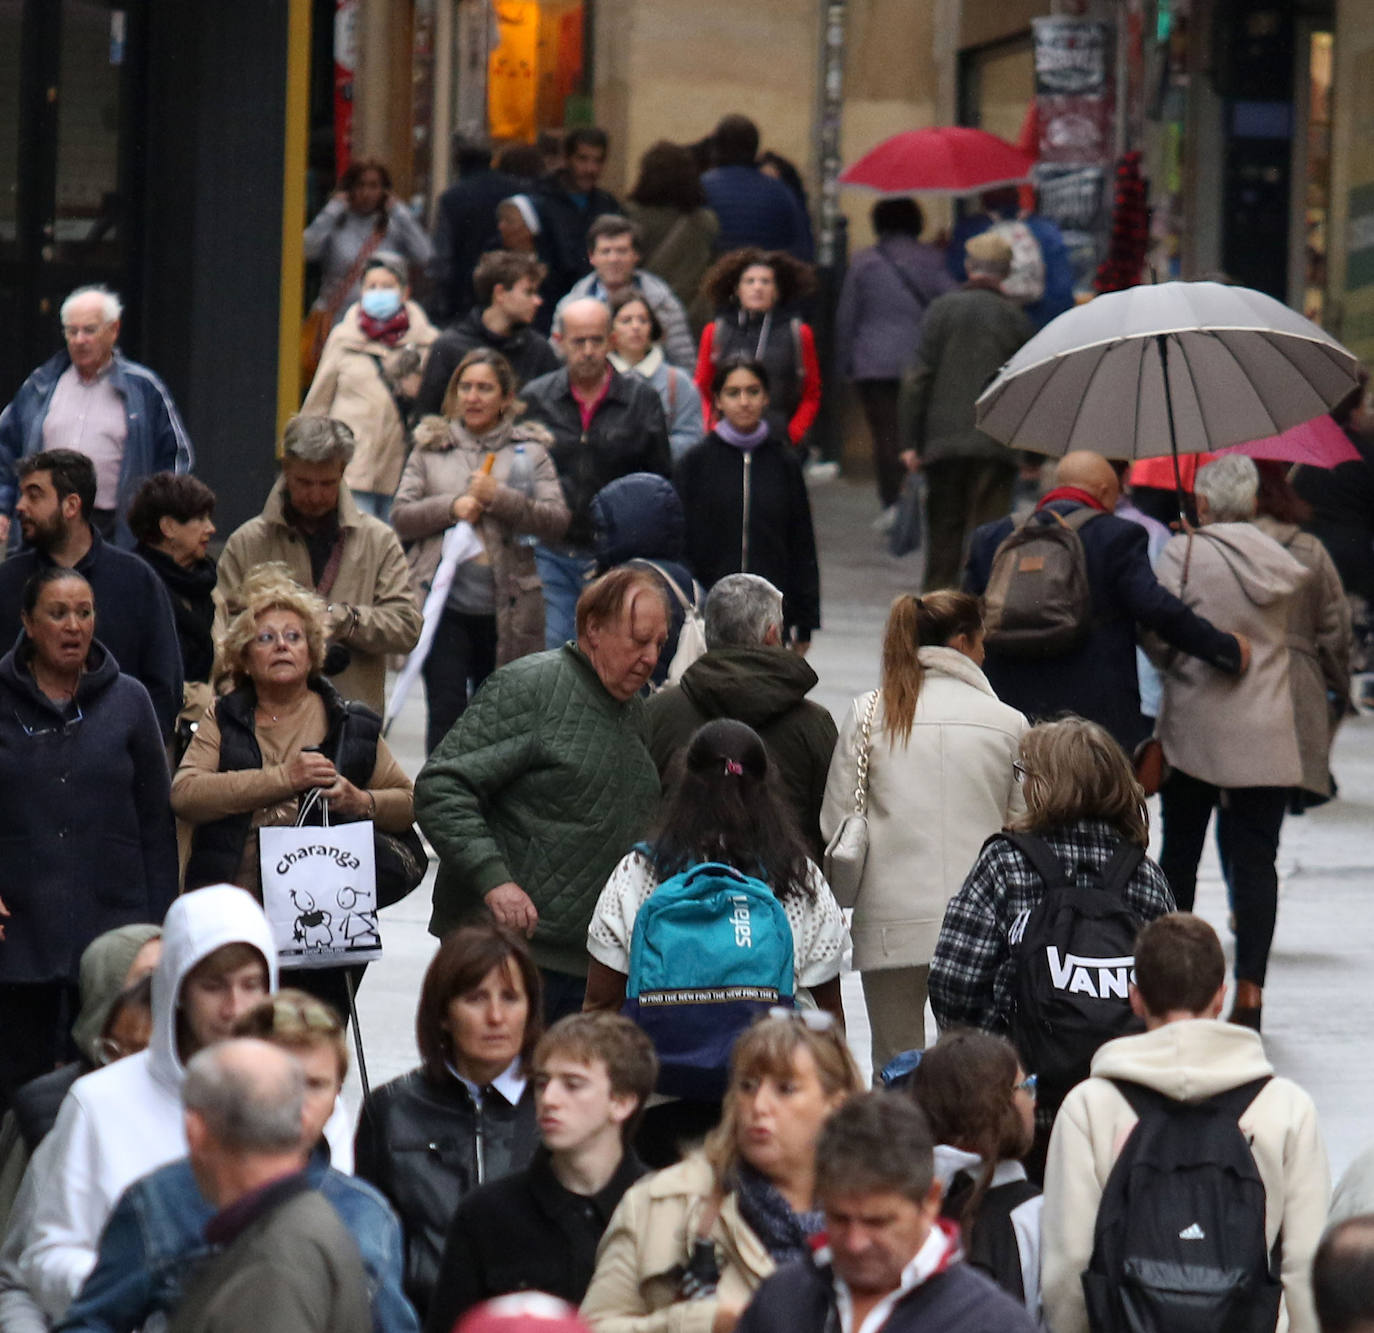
[1116,874]
[1142,1100]
[903,276]
[865,750]
[1234,1101]
[1237,1100]
[796,326]
[1043,858]
[658,569]
[1081,517]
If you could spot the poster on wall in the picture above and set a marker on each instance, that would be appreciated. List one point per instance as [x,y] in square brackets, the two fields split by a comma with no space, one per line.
[345,61]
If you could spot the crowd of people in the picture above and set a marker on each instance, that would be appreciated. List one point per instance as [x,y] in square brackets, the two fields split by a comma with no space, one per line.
[580,510]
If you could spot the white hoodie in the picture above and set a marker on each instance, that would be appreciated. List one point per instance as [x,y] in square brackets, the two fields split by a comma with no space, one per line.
[119,1123]
[1187,1061]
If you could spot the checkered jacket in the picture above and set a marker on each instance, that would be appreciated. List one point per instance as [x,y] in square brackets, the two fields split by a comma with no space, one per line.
[972,973]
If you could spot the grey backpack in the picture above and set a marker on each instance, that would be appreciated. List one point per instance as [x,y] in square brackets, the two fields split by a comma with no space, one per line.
[1038,602]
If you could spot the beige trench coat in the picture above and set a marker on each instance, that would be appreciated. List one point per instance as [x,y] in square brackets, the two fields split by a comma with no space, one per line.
[374,613]
[443,461]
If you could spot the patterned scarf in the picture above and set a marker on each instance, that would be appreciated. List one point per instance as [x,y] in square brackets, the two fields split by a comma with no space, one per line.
[784,1233]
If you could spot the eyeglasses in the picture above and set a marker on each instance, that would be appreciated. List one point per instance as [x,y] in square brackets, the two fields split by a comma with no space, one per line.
[291,637]
[1027,1085]
[90,330]
[818,1020]
[61,729]
[1021,771]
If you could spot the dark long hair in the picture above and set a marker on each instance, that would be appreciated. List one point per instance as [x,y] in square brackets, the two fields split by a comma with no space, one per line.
[724,806]
[668,175]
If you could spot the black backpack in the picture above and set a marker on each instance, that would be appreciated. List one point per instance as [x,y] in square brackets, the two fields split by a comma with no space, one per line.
[1074,958]
[1179,1245]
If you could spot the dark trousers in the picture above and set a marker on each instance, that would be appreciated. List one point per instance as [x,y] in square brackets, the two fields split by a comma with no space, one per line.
[35,1024]
[1248,824]
[563,994]
[329,984]
[961,494]
[879,401]
[461,657]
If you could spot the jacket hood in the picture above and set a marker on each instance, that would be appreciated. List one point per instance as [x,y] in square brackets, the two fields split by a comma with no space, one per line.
[101,672]
[196,925]
[1264,570]
[437,434]
[942,661]
[638,516]
[752,685]
[1187,1060]
[104,966]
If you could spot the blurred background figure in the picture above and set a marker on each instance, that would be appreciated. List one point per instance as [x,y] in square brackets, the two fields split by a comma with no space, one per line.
[754,208]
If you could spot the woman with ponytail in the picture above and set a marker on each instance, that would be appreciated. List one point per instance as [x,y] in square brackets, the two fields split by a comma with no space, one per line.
[940,781]
[981,1108]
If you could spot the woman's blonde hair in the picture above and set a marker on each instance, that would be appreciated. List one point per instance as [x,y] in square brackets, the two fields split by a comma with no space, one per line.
[770,1047]
[1074,770]
[930,621]
[505,377]
[269,587]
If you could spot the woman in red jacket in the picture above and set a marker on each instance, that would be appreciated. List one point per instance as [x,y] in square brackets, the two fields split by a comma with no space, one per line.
[752,290]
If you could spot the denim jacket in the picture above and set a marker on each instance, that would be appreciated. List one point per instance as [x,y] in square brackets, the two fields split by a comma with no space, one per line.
[155,1237]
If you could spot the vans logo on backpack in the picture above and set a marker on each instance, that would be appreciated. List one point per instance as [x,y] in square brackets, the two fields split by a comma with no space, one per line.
[1193,1232]
[1074,974]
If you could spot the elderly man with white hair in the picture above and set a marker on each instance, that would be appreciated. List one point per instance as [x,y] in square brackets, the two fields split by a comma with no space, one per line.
[91,398]
[1231,743]
[312,525]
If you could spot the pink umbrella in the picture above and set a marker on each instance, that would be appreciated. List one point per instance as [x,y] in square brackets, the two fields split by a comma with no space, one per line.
[1319,442]
[949,160]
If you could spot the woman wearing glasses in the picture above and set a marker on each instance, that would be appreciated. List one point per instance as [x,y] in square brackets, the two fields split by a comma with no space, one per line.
[723,807]
[940,783]
[686,1248]
[86,838]
[282,731]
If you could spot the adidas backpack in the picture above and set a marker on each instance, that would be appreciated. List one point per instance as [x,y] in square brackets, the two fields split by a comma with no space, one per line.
[1179,1244]
[711,950]
[1038,601]
[1073,957]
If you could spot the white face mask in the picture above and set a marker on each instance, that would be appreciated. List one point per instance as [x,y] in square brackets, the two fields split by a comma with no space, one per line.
[381,302]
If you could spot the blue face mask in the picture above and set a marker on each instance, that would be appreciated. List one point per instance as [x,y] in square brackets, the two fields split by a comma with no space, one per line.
[381,302]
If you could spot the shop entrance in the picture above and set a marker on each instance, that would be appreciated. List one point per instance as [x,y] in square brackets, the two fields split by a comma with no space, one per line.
[68,169]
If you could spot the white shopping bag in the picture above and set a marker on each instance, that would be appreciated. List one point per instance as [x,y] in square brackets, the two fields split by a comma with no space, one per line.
[319,890]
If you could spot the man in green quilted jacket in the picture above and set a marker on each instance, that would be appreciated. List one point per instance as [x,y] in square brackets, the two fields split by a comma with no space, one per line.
[545,782]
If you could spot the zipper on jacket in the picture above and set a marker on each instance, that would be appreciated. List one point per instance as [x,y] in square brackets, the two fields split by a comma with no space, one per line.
[481,1148]
[744,526]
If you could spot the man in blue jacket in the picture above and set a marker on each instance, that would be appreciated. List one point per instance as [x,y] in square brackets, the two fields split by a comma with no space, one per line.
[889,1263]
[1097,679]
[94,400]
[753,208]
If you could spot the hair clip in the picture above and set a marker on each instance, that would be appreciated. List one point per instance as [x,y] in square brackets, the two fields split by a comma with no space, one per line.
[734,768]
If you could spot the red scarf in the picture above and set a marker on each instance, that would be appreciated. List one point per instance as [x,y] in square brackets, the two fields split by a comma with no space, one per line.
[384,331]
[1071,493]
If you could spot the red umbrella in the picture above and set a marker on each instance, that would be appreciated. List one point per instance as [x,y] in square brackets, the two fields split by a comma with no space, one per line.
[948,160]
[1319,442]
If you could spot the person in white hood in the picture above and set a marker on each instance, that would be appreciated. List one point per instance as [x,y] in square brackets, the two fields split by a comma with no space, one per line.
[119,1123]
[1231,742]
[1186,1054]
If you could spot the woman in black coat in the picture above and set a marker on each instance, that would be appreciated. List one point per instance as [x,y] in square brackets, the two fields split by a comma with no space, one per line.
[86,835]
[745,497]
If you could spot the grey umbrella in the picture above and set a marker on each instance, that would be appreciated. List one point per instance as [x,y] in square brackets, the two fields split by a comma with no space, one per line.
[1240,366]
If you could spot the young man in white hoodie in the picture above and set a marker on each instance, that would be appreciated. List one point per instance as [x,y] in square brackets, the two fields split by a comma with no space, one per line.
[1187,1054]
[120,1122]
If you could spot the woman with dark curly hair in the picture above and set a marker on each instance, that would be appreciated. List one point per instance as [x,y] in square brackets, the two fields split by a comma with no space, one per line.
[677,231]
[751,290]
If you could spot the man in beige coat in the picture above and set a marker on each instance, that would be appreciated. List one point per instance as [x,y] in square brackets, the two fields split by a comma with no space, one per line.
[352,560]
[1186,1054]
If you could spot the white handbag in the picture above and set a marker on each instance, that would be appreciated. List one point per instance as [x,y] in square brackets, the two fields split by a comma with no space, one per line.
[847,851]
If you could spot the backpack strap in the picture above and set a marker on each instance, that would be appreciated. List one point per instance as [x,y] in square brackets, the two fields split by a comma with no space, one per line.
[1116,874]
[669,580]
[1043,858]
[1234,1101]
[796,325]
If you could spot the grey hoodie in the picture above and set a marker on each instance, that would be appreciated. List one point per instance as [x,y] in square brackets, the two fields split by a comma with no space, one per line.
[1232,731]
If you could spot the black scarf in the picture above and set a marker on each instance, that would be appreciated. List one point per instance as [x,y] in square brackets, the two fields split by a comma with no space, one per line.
[193,608]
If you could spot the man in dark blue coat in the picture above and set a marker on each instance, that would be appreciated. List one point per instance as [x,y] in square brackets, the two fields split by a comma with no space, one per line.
[1097,679]
[753,208]
[890,1263]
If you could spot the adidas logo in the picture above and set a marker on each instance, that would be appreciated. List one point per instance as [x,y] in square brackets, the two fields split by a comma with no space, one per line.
[1193,1232]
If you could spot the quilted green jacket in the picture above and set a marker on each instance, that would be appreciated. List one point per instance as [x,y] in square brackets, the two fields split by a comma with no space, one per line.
[546,781]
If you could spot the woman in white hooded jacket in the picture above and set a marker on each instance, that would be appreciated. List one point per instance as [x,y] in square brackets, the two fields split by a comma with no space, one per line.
[941,780]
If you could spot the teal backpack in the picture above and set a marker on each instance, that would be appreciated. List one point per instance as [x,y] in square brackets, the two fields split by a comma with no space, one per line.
[711,951]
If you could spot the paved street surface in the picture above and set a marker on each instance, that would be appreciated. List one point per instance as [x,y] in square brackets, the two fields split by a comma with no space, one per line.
[1319,1025]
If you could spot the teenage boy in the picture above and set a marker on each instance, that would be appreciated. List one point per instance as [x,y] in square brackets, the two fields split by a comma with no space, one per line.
[539,1229]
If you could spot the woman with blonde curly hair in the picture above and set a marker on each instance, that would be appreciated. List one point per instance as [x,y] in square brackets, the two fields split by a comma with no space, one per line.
[281,731]
[688,1247]
[751,291]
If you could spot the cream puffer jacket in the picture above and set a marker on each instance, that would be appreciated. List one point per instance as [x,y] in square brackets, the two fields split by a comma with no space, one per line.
[1188,1060]
[648,1240]
[931,805]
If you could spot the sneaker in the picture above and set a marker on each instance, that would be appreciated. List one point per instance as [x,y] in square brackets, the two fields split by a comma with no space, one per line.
[819,471]
[883,523]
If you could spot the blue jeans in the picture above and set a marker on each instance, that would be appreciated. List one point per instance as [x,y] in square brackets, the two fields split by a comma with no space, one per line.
[375,503]
[564,578]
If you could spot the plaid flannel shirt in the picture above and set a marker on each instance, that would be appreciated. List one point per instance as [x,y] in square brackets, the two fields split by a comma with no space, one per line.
[972,973]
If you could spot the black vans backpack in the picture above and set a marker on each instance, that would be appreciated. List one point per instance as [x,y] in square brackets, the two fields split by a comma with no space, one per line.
[1179,1245]
[1074,957]
[1038,602]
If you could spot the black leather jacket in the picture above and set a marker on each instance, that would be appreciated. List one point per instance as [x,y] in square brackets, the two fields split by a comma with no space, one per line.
[425,1145]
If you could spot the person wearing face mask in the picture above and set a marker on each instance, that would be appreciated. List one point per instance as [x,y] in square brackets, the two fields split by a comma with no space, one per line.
[746,502]
[369,375]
